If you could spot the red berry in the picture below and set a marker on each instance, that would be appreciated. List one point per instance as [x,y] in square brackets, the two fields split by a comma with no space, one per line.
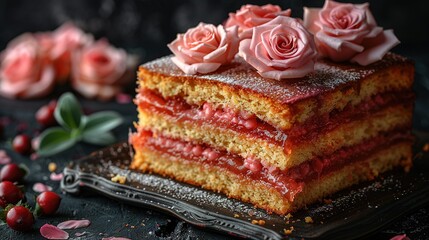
[11,172]
[52,104]
[48,202]
[45,115]
[20,218]
[9,194]
[22,144]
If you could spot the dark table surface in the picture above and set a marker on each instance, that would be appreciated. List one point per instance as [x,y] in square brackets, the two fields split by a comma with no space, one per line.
[110,218]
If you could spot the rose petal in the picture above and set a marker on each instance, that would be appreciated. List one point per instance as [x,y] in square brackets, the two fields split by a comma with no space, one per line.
[35,143]
[34,156]
[115,238]
[123,98]
[400,237]
[4,158]
[378,47]
[56,177]
[40,187]
[52,232]
[310,16]
[73,224]
[79,234]
[196,67]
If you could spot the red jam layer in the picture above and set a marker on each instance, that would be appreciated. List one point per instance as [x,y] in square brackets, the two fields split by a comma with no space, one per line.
[289,182]
[249,124]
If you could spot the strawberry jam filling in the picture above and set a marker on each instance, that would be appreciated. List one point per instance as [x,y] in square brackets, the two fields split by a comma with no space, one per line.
[288,182]
[247,123]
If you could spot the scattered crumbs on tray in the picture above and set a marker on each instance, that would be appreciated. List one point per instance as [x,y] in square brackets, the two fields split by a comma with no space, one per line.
[236,215]
[426,147]
[308,219]
[119,179]
[52,167]
[258,222]
[288,231]
[288,216]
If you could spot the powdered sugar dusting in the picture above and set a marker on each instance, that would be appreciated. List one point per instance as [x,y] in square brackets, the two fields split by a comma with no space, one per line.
[326,77]
[190,194]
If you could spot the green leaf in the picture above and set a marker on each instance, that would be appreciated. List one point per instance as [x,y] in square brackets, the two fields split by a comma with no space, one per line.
[101,122]
[68,112]
[105,138]
[55,140]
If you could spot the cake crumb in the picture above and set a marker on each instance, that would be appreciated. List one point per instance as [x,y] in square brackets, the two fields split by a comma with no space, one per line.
[52,167]
[308,219]
[236,215]
[288,231]
[258,222]
[288,216]
[426,147]
[119,179]
[327,201]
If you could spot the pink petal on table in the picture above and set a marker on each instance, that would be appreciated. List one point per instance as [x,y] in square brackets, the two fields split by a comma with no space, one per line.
[52,232]
[115,238]
[56,177]
[4,158]
[34,156]
[40,187]
[400,237]
[35,143]
[123,98]
[80,234]
[73,224]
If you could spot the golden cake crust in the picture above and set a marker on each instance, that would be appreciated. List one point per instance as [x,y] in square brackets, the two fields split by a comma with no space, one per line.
[280,103]
[261,195]
[348,134]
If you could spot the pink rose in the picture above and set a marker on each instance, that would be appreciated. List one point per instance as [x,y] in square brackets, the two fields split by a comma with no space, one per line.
[250,16]
[98,70]
[205,48]
[281,48]
[66,40]
[347,32]
[25,71]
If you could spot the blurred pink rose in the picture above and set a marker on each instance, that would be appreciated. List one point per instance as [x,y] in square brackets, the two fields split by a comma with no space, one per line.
[250,16]
[348,32]
[98,70]
[281,48]
[205,48]
[67,39]
[25,70]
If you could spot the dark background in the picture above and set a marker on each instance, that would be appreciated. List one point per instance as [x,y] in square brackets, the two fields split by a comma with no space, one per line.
[145,27]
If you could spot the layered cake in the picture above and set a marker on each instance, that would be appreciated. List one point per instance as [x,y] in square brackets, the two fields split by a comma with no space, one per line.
[287,121]
[277,145]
